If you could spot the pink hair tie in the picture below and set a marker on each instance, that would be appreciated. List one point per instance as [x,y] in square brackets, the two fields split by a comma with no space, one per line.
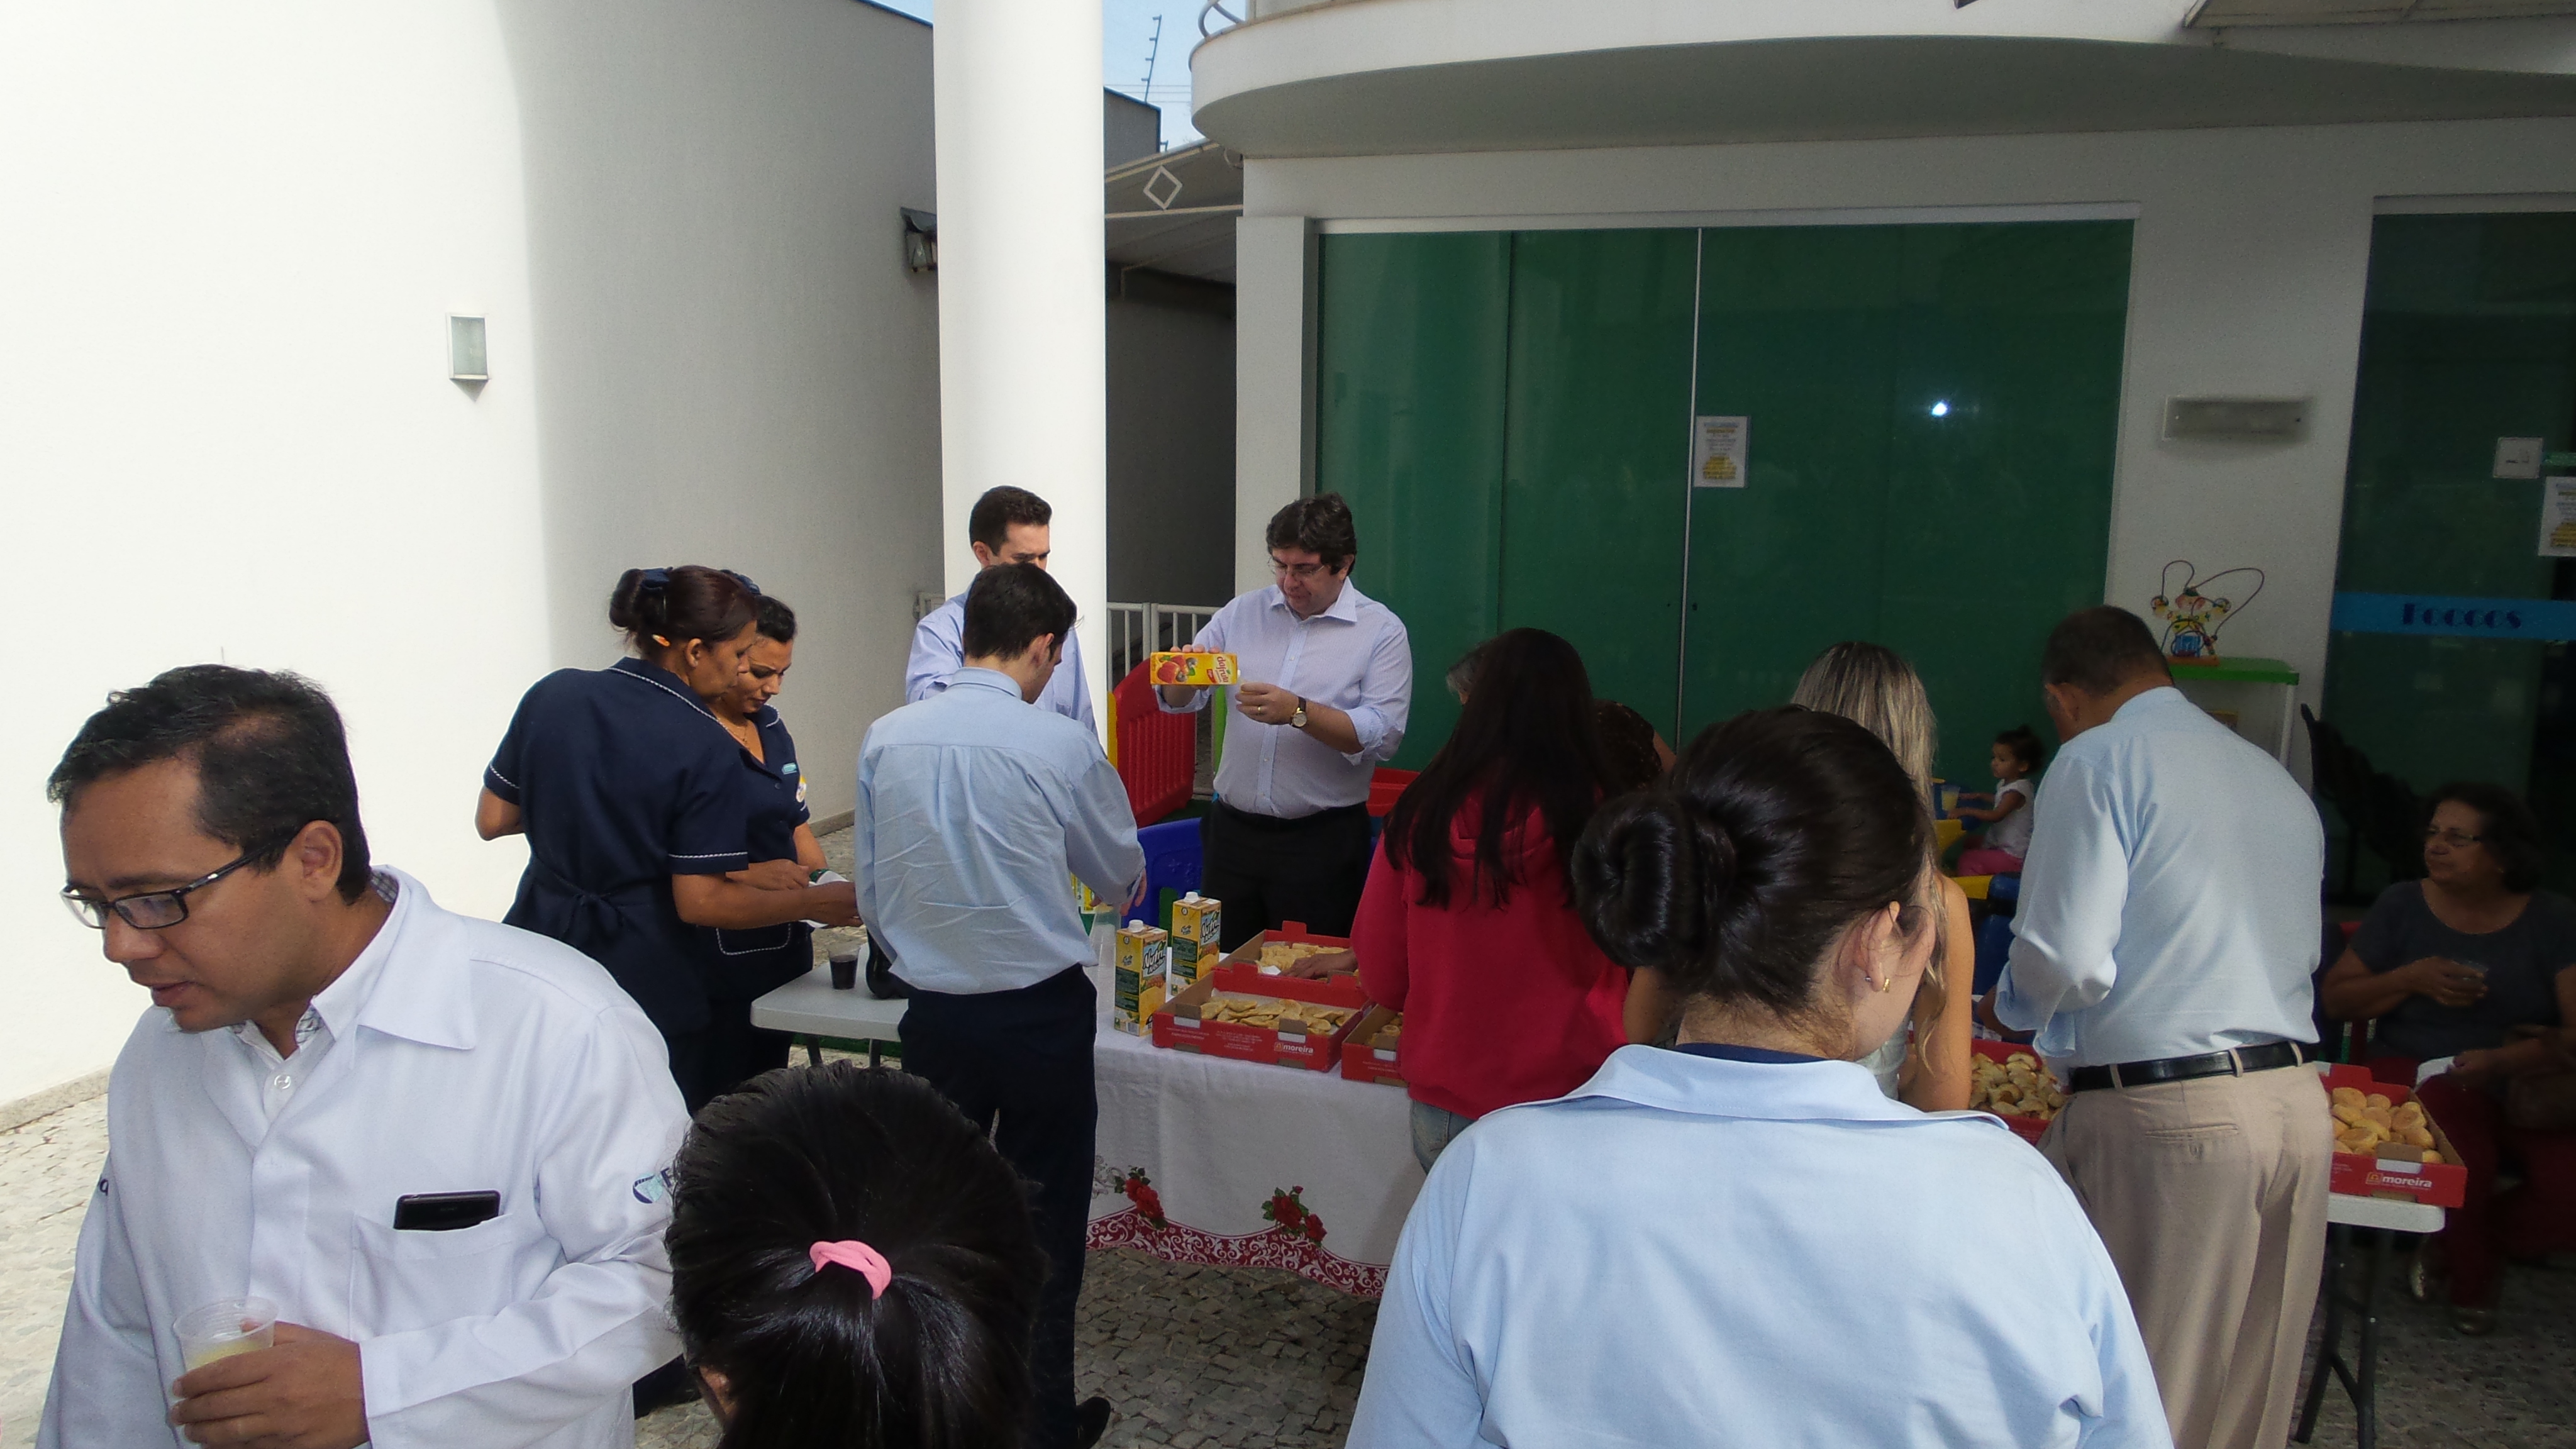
[859,1258]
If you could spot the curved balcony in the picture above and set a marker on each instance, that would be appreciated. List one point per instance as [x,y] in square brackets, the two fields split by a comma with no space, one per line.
[1364,77]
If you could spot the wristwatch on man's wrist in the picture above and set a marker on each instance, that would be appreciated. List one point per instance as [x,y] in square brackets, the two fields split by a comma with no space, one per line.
[1298,720]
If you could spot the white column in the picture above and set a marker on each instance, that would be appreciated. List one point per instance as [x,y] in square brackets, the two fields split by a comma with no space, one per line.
[1274,363]
[1023,369]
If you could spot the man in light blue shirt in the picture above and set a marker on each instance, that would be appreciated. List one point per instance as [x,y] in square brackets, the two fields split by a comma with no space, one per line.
[1328,677]
[1007,525]
[2167,931]
[975,810]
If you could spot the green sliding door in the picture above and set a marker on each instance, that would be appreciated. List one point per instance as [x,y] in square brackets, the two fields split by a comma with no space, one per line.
[1932,420]
[1409,428]
[1932,417]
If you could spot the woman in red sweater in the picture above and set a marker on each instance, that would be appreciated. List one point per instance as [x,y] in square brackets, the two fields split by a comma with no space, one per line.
[1468,924]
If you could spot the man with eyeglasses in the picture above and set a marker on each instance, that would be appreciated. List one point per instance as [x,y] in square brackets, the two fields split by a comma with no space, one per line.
[438,1146]
[2166,941]
[1329,680]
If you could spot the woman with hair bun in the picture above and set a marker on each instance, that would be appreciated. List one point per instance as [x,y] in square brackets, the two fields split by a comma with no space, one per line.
[635,801]
[852,1264]
[1739,1239]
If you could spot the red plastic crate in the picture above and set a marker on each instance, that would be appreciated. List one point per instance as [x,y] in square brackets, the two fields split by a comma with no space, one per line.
[1385,786]
[1157,754]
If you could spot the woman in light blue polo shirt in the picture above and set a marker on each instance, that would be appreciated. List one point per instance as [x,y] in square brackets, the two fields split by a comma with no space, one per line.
[1740,1240]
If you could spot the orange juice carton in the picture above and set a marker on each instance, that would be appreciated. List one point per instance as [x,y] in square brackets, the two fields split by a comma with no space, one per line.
[1197,922]
[1191,667]
[1143,974]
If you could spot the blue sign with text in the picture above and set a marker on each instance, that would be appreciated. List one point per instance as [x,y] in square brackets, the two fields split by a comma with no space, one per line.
[2539,620]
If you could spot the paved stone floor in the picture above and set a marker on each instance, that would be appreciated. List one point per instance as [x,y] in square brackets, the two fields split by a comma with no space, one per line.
[1251,1358]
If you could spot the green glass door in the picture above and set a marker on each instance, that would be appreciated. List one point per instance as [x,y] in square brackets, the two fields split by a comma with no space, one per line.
[2468,336]
[1933,415]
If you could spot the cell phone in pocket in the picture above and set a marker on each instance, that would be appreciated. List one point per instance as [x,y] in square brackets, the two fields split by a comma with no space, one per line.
[444,1212]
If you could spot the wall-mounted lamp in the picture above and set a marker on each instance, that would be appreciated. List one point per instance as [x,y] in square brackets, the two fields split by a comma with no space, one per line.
[920,240]
[465,356]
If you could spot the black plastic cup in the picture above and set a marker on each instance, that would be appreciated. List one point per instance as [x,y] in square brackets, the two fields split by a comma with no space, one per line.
[845,970]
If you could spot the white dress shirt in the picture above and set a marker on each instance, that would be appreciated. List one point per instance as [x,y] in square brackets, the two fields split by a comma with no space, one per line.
[2169,901]
[462,1056]
[939,651]
[975,811]
[1353,656]
[1699,1251]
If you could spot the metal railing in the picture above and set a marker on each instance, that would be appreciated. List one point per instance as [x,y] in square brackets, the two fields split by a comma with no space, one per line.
[1136,630]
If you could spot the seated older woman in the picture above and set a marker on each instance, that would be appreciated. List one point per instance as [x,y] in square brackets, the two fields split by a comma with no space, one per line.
[2476,966]
[1741,1240]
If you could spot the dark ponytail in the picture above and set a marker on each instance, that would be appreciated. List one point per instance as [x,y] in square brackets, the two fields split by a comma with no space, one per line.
[1774,832]
[835,1153]
[661,608]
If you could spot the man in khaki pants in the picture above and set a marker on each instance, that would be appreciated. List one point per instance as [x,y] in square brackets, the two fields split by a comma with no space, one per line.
[2167,932]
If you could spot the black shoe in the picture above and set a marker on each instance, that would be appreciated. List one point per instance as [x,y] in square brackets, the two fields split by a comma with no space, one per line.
[1090,1421]
[664,1387]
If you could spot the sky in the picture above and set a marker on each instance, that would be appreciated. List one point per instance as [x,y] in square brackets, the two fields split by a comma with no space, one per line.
[1126,36]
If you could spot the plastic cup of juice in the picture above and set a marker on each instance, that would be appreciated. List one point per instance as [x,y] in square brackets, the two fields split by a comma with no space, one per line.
[1949,799]
[226,1327]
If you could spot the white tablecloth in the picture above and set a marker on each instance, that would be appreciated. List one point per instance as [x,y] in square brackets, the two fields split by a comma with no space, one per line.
[1239,1164]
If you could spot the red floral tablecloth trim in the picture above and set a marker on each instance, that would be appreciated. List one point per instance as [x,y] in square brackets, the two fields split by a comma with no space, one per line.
[1279,1247]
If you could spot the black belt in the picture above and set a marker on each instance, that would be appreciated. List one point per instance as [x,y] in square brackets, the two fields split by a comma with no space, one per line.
[1329,815]
[2235,1062]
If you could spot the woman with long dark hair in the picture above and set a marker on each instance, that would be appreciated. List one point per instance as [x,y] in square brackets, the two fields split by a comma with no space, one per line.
[1467,924]
[1741,1240]
[635,802]
[852,1264]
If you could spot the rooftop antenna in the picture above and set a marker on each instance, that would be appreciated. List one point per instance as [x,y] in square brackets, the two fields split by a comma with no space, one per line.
[1153,52]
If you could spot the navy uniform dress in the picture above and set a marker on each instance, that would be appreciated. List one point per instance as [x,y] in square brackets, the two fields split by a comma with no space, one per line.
[624,780]
[753,962]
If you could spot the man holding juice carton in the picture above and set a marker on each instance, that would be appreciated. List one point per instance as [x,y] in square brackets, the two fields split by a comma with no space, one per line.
[376,1172]
[1007,526]
[1329,676]
[974,806]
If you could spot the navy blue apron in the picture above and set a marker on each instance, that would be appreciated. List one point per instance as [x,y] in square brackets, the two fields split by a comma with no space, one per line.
[764,958]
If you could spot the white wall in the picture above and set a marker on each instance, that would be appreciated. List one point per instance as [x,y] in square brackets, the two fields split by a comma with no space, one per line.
[734,368]
[2252,248]
[234,237]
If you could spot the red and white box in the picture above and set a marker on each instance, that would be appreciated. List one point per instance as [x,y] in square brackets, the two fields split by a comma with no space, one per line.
[1179,1026]
[2396,1170]
[1370,1056]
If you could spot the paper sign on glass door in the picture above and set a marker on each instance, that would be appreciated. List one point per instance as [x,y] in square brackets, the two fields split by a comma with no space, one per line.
[2558,518]
[1720,450]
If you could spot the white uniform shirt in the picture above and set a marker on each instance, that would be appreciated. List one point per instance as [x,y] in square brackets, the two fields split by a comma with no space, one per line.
[1353,656]
[462,1056]
[1696,1251]
[2169,901]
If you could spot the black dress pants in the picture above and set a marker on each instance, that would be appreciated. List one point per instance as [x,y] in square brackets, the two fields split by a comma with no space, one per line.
[1270,871]
[1018,1064]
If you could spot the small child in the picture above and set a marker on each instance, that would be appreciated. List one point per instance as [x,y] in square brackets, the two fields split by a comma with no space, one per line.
[2015,759]
[852,1264]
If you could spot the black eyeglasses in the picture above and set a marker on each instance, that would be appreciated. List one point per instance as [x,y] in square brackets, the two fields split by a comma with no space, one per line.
[147,910]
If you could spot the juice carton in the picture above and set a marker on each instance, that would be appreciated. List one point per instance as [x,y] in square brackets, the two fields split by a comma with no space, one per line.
[1172,666]
[1197,921]
[1144,970]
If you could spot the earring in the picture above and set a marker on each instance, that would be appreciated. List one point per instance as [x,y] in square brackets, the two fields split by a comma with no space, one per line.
[1884,986]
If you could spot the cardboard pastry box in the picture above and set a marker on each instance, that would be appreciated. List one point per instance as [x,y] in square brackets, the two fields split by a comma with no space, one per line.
[1371,1054]
[2395,1170]
[1181,1025]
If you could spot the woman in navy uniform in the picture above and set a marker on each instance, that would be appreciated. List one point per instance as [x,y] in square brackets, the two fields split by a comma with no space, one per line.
[633,797]
[776,828]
